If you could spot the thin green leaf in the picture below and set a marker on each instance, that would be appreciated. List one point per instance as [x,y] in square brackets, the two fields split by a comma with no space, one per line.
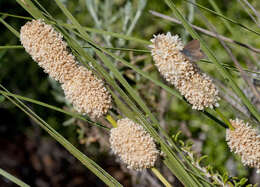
[31,8]
[11,47]
[224,17]
[15,16]
[10,28]
[117,35]
[13,178]
[124,49]
[53,108]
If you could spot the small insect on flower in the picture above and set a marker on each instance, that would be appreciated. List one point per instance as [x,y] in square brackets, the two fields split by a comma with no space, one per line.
[192,51]
[174,62]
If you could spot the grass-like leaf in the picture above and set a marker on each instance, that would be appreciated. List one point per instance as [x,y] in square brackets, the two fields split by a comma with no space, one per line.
[224,17]
[10,28]
[13,178]
[54,108]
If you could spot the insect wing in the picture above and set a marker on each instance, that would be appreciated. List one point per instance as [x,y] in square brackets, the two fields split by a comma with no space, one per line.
[193,45]
[192,51]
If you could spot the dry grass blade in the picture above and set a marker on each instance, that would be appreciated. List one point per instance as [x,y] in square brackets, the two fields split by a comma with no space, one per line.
[253,9]
[224,17]
[205,31]
[251,16]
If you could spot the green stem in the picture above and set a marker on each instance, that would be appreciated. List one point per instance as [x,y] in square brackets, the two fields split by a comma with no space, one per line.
[224,119]
[11,47]
[112,121]
[160,177]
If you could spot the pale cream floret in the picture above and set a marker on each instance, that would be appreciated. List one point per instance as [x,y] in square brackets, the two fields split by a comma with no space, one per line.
[245,142]
[87,93]
[133,145]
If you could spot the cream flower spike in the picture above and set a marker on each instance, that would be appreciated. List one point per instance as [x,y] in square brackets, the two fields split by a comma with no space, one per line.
[133,145]
[244,141]
[86,92]
[47,48]
[196,87]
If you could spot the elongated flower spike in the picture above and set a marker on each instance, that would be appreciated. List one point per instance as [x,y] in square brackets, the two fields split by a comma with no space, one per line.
[133,145]
[86,92]
[196,87]
[244,141]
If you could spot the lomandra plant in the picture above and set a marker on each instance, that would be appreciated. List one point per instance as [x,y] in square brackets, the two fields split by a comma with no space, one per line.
[93,83]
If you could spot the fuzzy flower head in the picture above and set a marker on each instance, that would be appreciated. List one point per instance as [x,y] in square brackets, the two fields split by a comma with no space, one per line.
[244,141]
[87,93]
[133,145]
[196,87]
[199,91]
[47,48]
[171,63]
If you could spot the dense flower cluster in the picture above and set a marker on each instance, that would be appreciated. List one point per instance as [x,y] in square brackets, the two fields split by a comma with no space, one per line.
[133,145]
[86,92]
[244,141]
[196,87]
[47,48]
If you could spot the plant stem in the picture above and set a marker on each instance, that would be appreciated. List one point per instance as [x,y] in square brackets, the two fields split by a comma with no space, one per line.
[160,177]
[224,119]
[111,120]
